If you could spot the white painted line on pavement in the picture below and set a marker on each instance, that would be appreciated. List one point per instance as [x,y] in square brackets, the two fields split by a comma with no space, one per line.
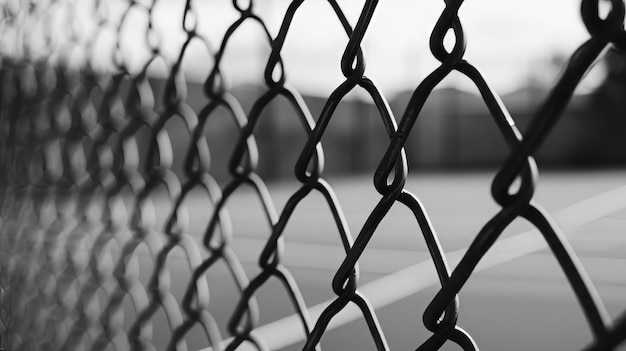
[288,331]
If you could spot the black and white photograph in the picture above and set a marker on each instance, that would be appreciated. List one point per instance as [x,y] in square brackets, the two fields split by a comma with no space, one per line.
[264,175]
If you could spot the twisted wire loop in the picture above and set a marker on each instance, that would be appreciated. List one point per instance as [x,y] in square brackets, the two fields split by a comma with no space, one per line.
[86,157]
[345,282]
[521,165]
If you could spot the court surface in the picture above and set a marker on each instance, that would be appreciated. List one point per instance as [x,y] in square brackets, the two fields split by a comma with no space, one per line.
[517,300]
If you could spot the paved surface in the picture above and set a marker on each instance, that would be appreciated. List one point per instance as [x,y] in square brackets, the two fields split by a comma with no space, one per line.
[524,304]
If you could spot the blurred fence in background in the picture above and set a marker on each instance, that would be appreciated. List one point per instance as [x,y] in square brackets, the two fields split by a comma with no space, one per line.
[455,132]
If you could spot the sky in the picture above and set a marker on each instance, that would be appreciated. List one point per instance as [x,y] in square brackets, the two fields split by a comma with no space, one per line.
[511,42]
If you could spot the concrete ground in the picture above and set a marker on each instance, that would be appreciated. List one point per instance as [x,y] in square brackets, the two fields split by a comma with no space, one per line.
[524,303]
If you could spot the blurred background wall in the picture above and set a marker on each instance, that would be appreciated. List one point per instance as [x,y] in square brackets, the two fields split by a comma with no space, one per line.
[454,130]
[519,46]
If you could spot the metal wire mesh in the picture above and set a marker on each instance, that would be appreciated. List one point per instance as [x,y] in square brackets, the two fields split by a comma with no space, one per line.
[86,155]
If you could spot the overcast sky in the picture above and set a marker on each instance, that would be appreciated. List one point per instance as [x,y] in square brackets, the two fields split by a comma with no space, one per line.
[509,41]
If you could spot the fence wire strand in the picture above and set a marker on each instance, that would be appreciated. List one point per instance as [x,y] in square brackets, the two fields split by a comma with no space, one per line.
[86,155]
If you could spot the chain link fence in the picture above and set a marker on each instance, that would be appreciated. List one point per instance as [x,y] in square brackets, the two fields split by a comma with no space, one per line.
[86,156]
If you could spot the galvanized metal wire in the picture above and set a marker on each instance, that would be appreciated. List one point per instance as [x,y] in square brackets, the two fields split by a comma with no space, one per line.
[78,188]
